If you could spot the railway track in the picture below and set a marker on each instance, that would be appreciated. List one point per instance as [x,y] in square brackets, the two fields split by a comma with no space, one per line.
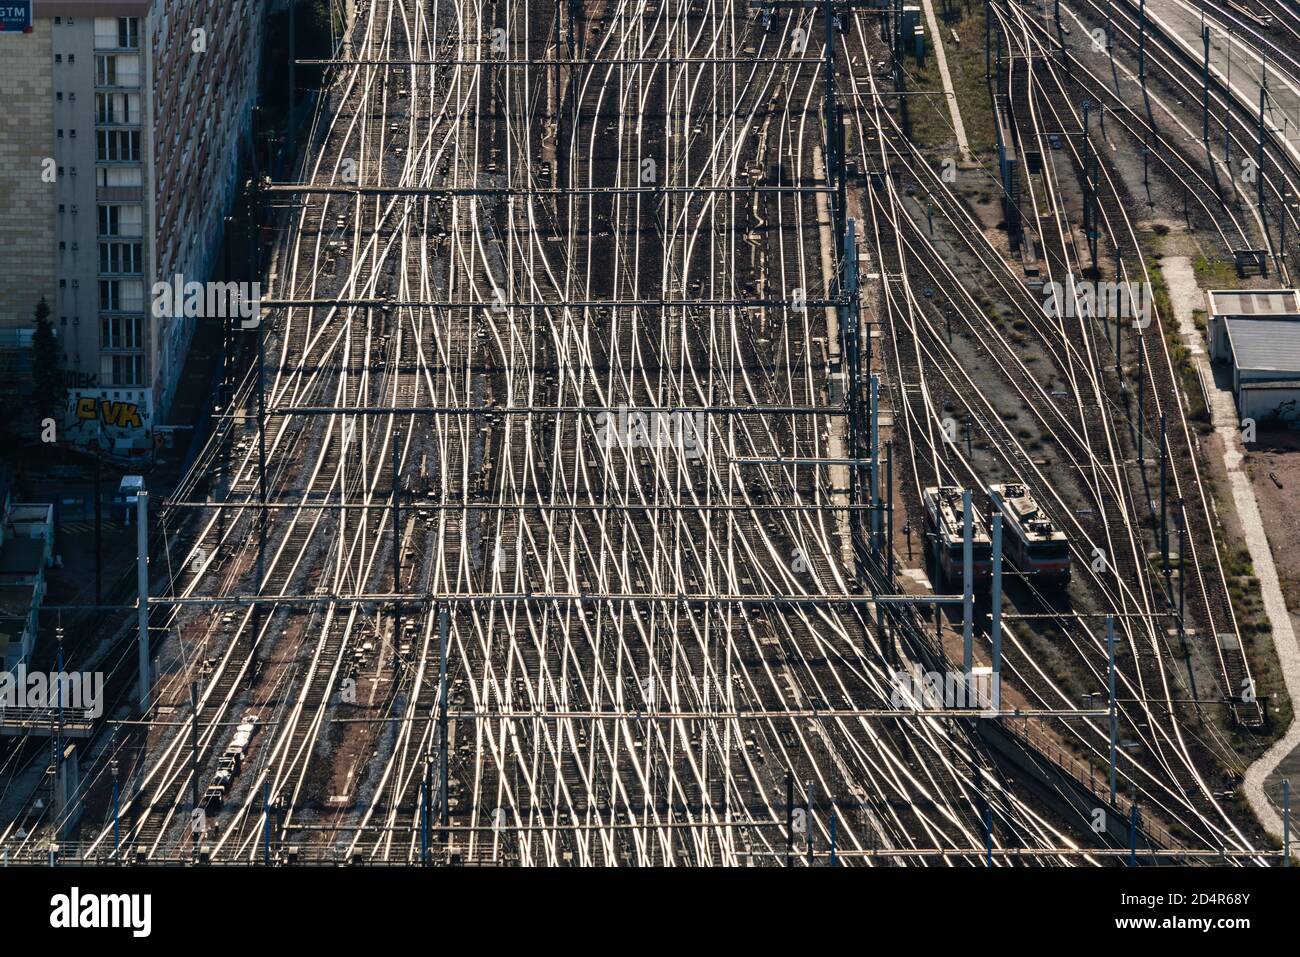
[1069,353]
[473,373]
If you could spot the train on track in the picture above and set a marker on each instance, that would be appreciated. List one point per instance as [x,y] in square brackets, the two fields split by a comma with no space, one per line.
[230,764]
[1030,539]
[944,530]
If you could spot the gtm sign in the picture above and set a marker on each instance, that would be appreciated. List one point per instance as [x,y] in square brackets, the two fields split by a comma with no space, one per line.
[15,16]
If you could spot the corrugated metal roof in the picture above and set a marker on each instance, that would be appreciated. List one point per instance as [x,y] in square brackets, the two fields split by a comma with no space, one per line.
[1254,302]
[1271,345]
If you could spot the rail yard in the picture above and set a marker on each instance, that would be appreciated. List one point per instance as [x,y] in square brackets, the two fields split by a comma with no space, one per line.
[706,433]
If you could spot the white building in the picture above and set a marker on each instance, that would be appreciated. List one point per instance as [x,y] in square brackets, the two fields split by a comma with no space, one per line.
[1256,332]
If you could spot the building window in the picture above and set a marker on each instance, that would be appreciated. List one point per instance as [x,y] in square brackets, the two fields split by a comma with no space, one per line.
[110,295]
[128,33]
[108,176]
[125,258]
[121,332]
[121,295]
[117,33]
[118,146]
[114,70]
[120,220]
[117,109]
[110,220]
[125,370]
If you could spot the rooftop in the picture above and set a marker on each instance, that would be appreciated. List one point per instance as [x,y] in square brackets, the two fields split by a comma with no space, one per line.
[1254,302]
[1265,344]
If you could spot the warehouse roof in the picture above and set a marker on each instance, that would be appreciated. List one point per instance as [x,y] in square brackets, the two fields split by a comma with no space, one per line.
[1265,344]
[1255,302]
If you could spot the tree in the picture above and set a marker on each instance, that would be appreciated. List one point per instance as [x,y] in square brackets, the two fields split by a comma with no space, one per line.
[47,368]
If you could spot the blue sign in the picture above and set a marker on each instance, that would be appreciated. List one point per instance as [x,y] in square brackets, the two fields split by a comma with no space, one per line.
[15,16]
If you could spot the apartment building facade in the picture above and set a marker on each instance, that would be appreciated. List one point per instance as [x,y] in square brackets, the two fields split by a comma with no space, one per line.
[119,151]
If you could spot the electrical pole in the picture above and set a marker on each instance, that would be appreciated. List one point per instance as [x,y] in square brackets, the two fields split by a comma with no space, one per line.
[444,817]
[995,623]
[1259,147]
[1141,390]
[1286,822]
[227,222]
[397,545]
[1205,85]
[263,517]
[266,822]
[1164,500]
[1227,129]
[968,585]
[427,792]
[194,745]
[1142,42]
[889,511]
[293,83]
[1114,715]
[142,602]
[875,469]
[117,810]
[789,817]
[1182,570]
[810,835]
[56,741]
[99,517]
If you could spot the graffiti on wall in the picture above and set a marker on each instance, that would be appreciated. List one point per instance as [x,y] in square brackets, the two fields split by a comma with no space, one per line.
[1287,413]
[125,415]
